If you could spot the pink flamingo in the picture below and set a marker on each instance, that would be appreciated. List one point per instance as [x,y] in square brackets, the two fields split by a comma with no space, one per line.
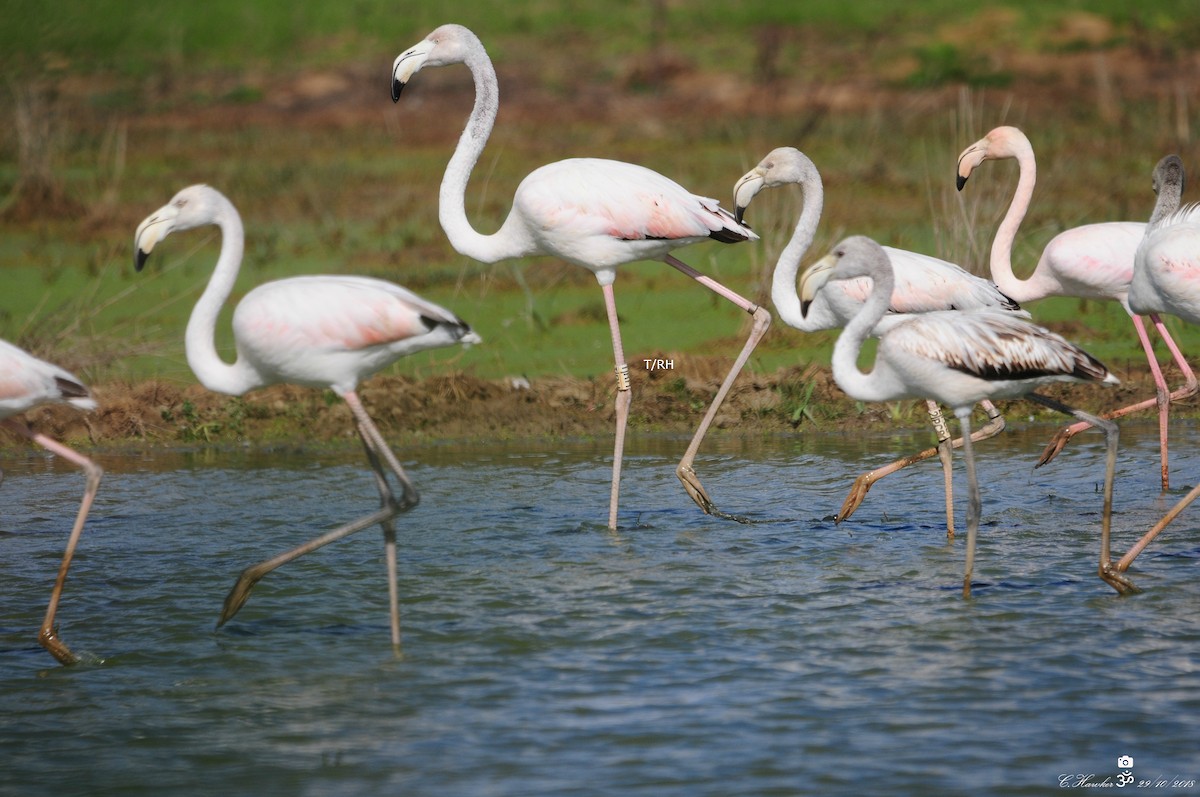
[1166,279]
[958,358]
[597,214]
[1094,261]
[318,331]
[27,382]
[922,284]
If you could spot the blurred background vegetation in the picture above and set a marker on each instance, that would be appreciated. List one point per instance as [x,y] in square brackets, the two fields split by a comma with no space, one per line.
[113,106]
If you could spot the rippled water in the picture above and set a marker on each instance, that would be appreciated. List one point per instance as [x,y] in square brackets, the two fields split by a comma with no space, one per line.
[544,655]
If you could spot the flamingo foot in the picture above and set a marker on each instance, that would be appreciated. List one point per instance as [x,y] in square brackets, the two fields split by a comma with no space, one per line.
[1057,444]
[48,637]
[858,492]
[1120,583]
[691,483]
[240,592]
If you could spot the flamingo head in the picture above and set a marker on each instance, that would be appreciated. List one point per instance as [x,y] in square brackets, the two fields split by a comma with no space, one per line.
[856,256]
[1002,142]
[782,166]
[192,207]
[449,44]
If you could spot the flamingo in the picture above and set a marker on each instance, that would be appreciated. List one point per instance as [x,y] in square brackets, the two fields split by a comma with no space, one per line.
[1166,279]
[956,358]
[1094,261]
[923,284]
[27,382]
[315,331]
[597,214]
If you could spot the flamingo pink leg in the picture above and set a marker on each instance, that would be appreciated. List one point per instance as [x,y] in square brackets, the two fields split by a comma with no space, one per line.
[1141,544]
[377,450]
[1162,399]
[47,634]
[762,322]
[624,398]
[858,492]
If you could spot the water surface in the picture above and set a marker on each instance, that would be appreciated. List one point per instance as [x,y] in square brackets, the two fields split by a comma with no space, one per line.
[544,655]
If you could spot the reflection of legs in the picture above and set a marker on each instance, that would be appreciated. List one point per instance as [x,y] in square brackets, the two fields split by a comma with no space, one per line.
[377,450]
[624,397]
[974,502]
[993,427]
[762,321]
[1111,434]
[1146,539]
[1162,399]
[47,634]
[389,539]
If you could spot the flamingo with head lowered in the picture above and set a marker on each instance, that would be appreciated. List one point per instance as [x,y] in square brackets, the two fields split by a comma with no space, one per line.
[1094,261]
[323,331]
[595,213]
[27,382]
[922,284]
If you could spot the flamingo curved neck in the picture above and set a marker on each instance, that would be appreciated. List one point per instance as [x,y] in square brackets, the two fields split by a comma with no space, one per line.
[860,385]
[1002,246]
[213,372]
[783,281]
[452,196]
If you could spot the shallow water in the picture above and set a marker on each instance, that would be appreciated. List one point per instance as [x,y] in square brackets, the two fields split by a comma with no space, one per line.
[544,655]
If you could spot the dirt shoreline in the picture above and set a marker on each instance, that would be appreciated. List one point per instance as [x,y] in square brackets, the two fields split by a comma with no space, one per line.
[463,408]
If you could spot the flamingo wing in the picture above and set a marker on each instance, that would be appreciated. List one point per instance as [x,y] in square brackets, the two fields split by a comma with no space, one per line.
[622,201]
[993,347]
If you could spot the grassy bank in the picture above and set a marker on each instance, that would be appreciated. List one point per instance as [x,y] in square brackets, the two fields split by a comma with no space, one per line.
[284,108]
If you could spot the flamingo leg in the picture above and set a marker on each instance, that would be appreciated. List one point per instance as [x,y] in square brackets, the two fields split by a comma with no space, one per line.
[945,451]
[389,541]
[762,322]
[377,450]
[1107,572]
[993,427]
[1162,399]
[974,502]
[48,634]
[623,400]
[1141,544]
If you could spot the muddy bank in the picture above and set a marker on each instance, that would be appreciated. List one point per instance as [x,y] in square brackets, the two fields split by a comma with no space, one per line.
[461,407]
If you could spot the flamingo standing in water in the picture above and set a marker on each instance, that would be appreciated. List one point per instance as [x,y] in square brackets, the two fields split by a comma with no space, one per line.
[958,359]
[317,331]
[598,214]
[923,284]
[1094,261]
[27,382]
[1166,279]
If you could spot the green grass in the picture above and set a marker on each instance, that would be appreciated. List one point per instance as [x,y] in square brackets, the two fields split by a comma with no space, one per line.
[362,199]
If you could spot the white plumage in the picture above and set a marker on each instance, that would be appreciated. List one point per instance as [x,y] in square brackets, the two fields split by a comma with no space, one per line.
[316,331]
[595,213]
[923,284]
[957,359]
[1094,261]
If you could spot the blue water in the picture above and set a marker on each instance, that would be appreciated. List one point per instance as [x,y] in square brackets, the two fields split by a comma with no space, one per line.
[544,655]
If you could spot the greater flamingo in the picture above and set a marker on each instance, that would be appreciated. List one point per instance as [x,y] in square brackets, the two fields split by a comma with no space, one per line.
[27,382]
[594,213]
[316,331]
[958,359]
[1094,261]
[923,284]
[1166,279]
